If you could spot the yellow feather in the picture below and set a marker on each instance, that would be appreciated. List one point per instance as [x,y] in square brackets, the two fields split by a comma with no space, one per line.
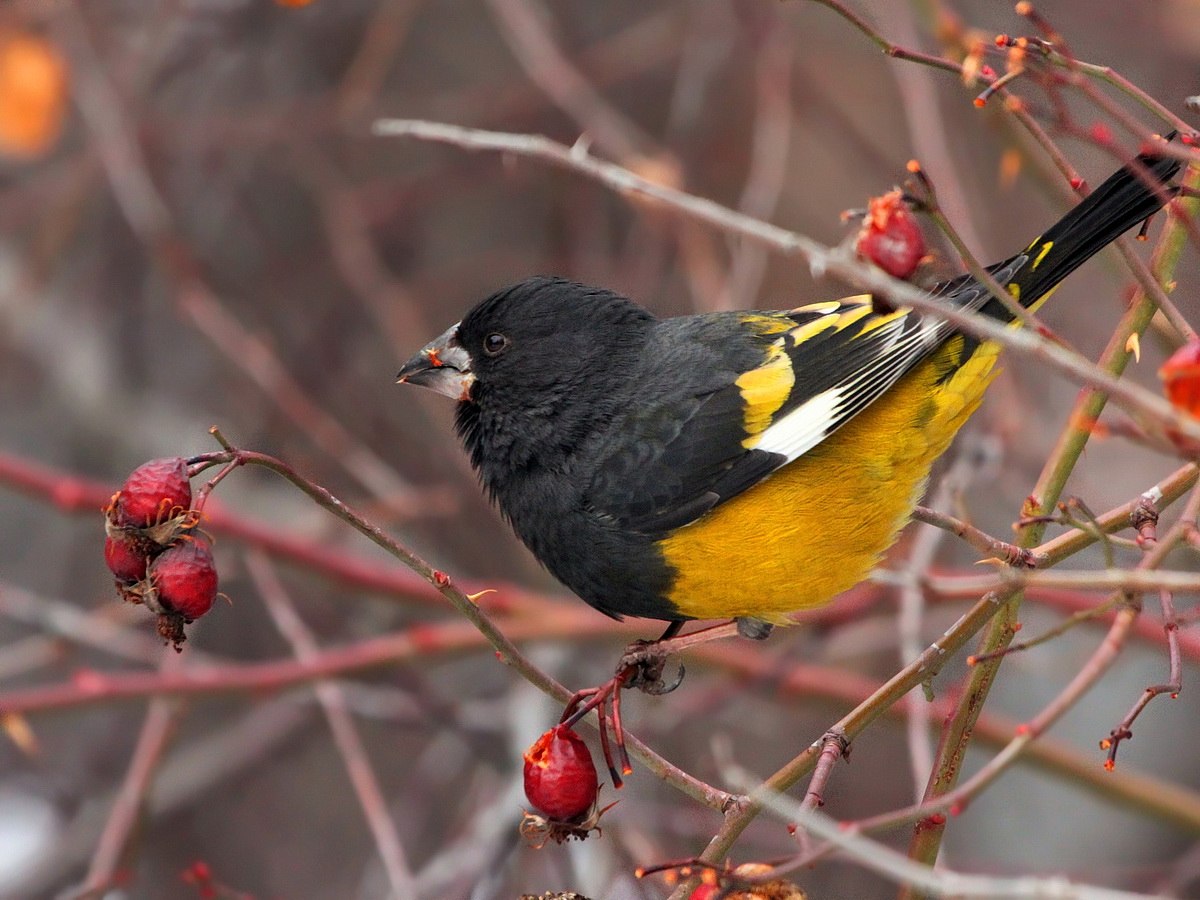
[1046,247]
[764,390]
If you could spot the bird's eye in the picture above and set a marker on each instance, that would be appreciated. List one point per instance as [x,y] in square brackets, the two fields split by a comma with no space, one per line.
[494,344]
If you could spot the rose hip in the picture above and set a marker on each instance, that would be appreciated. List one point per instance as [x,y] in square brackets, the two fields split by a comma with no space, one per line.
[184,578]
[891,236]
[124,558]
[560,777]
[154,492]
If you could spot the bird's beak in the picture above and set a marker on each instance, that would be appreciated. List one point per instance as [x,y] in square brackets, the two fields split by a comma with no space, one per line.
[441,365]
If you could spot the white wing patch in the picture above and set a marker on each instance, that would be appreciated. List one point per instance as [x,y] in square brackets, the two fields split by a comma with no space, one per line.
[797,432]
[897,346]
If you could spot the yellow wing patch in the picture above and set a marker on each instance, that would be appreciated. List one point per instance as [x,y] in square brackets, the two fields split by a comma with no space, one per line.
[768,324]
[1046,248]
[764,390]
[852,315]
[801,333]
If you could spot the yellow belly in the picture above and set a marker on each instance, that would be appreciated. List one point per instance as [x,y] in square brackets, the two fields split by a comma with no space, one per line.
[816,527]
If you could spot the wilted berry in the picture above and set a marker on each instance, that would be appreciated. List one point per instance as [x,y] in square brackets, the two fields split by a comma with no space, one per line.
[1181,378]
[125,557]
[154,492]
[560,778]
[184,578]
[890,236]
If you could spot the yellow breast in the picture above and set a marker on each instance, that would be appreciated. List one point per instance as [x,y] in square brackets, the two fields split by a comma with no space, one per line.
[816,527]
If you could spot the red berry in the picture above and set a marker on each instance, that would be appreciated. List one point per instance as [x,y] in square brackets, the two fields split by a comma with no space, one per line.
[124,558]
[1101,133]
[890,236]
[185,578]
[154,492]
[706,892]
[1181,378]
[560,778]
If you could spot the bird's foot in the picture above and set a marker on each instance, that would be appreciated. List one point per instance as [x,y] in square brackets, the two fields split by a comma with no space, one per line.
[642,666]
[606,700]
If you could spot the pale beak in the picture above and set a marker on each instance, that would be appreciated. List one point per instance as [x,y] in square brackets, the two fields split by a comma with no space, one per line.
[442,365]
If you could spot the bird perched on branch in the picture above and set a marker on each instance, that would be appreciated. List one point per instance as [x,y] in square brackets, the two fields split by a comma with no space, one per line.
[736,464]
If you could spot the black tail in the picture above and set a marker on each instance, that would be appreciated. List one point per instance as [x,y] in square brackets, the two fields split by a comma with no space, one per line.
[1121,202]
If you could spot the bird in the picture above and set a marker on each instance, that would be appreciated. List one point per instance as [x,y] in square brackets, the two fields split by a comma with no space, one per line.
[742,464]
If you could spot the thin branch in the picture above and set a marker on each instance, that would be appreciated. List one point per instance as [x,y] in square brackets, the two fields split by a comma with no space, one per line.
[523,25]
[157,728]
[341,724]
[821,259]
[941,882]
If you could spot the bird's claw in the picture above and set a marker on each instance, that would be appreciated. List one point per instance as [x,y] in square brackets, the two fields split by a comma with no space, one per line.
[642,666]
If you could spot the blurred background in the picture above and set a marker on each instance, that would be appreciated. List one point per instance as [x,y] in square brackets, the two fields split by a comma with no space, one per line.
[197,227]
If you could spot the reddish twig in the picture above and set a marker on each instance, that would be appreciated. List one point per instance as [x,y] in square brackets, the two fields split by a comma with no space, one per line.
[834,746]
[1006,552]
[162,717]
[1144,519]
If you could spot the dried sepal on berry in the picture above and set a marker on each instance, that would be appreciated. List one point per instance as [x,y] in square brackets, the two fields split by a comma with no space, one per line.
[890,236]
[1180,376]
[538,830]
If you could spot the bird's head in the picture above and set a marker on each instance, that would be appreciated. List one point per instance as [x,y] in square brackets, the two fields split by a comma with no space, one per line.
[537,337]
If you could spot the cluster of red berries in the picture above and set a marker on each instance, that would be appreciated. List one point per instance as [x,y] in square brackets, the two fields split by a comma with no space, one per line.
[154,549]
[890,236]
[561,784]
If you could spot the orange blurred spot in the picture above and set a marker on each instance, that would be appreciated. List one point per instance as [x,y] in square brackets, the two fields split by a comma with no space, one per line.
[662,169]
[17,727]
[1010,167]
[33,94]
